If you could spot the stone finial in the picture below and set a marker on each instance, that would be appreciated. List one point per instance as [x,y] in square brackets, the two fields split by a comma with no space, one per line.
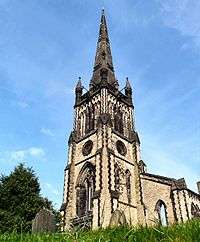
[142,167]
[128,89]
[79,85]
[128,85]
[198,186]
[79,90]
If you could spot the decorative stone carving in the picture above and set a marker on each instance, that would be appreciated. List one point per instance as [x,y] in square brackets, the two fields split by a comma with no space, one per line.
[105,119]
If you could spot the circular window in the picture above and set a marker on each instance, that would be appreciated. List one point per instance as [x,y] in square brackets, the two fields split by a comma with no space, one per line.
[121,148]
[87,148]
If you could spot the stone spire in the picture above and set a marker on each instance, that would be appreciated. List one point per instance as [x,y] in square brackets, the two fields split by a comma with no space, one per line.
[103,72]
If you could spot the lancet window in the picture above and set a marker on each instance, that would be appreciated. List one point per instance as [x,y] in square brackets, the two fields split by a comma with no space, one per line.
[117,177]
[118,121]
[89,122]
[161,210]
[195,211]
[85,189]
[128,185]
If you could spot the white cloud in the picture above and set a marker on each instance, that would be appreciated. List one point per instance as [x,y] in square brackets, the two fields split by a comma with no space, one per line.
[37,152]
[183,15]
[47,132]
[23,155]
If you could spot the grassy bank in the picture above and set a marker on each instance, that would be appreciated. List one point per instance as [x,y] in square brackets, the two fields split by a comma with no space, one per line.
[188,232]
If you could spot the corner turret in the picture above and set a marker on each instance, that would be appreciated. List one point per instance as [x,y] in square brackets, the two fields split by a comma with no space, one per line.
[79,90]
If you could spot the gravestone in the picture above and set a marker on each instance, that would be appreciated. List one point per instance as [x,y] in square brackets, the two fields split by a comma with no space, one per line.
[118,219]
[44,222]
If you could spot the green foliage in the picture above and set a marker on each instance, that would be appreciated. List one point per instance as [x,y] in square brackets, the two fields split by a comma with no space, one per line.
[187,232]
[20,200]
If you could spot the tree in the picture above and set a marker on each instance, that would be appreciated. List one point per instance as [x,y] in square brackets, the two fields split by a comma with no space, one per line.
[20,200]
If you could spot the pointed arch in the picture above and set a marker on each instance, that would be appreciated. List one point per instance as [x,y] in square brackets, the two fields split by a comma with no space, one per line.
[161,210]
[128,184]
[78,126]
[89,122]
[85,189]
[117,173]
[92,116]
[195,211]
[118,121]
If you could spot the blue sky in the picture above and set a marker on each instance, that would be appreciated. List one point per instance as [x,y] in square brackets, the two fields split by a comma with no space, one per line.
[46,45]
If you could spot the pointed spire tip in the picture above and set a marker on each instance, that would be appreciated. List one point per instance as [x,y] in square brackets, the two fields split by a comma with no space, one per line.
[79,84]
[103,58]
[128,85]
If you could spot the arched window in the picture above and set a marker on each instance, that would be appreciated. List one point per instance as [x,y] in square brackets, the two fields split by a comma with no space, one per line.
[162,213]
[78,126]
[85,189]
[89,122]
[117,177]
[92,117]
[198,211]
[80,200]
[118,122]
[195,211]
[128,185]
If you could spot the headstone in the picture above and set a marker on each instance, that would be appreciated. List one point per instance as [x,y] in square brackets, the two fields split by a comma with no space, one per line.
[44,222]
[118,218]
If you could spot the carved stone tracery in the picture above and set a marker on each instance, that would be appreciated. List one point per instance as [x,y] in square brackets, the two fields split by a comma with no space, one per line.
[85,189]
[161,210]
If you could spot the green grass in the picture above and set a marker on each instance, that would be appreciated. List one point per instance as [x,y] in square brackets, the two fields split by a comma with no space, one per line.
[187,232]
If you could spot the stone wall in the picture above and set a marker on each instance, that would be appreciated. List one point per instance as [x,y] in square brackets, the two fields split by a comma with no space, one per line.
[153,190]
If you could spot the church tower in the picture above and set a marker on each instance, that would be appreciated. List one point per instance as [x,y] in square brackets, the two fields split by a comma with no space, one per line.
[102,184]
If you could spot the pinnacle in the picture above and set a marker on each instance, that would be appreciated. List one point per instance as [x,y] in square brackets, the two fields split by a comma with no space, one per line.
[128,85]
[79,84]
